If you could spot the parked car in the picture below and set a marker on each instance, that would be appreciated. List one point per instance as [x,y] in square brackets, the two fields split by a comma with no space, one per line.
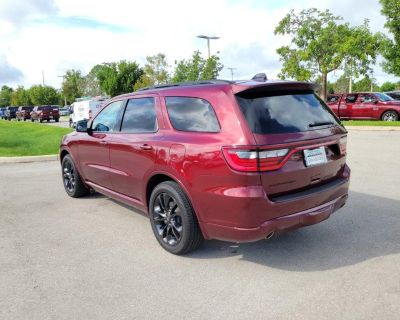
[64,111]
[10,113]
[364,105]
[24,113]
[45,113]
[2,112]
[394,94]
[235,161]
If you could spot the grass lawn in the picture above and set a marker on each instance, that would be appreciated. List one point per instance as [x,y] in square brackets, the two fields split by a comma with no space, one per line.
[29,139]
[371,123]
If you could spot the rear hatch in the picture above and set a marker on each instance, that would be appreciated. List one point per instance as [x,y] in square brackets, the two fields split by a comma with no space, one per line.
[300,144]
[50,112]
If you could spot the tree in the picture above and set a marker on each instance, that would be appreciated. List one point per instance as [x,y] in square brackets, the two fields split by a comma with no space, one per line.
[5,96]
[43,95]
[342,84]
[73,85]
[155,72]
[91,85]
[320,45]
[197,68]
[391,47]
[364,85]
[388,86]
[20,97]
[118,77]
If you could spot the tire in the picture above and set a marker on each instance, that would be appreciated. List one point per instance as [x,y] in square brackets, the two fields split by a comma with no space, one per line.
[390,116]
[173,219]
[33,120]
[72,181]
[57,119]
[41,120]
[24,119]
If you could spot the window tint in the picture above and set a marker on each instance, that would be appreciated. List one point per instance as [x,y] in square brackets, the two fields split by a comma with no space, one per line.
[351,98]
[191,114]
[140,116]
[333,99]
[287,113]
[107,119]
[367,98]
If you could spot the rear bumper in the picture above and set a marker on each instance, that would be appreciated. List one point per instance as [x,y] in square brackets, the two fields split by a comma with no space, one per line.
[277,225]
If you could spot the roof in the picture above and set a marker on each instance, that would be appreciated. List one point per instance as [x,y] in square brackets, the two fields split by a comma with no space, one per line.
[235,86]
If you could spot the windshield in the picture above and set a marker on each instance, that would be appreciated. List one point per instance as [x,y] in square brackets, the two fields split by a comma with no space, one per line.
[297,112]
[384,97]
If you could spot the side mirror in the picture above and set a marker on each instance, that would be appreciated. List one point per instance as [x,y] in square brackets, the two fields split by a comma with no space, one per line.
[81,126]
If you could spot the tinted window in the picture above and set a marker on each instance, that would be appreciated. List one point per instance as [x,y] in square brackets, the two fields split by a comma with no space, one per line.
[140,116]
[351,98]
[191,114]
[367,98]
[384,97]
[107,119]
[333,99]
[285,113]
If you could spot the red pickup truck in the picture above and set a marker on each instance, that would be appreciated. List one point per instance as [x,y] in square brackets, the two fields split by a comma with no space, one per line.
[368,105]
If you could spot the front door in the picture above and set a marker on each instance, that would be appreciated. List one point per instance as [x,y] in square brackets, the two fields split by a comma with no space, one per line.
[94,151]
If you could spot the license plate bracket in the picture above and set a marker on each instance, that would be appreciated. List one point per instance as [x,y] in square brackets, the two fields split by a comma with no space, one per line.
[315,157]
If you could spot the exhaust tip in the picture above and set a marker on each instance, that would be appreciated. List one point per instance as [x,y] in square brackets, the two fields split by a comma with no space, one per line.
[270,235]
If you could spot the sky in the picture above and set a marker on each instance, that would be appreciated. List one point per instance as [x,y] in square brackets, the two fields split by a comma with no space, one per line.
[52,36]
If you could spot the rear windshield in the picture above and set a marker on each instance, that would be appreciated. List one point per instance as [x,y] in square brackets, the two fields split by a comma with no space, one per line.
[285,113]
[47,108]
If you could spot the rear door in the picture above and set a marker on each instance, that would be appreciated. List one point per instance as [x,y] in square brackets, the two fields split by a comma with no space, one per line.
[365,107]
[133,150]
[349,106]
[298,139]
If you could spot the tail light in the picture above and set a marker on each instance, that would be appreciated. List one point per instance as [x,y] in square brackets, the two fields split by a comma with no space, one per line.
[90,114]
[254,160]
[343,145]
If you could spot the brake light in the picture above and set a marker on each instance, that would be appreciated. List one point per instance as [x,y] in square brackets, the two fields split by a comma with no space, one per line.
[248,160]
[343,145]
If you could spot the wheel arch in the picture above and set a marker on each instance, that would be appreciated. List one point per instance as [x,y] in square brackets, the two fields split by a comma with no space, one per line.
[393,110]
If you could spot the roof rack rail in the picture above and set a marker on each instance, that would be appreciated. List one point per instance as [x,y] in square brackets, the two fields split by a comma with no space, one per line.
[185,84]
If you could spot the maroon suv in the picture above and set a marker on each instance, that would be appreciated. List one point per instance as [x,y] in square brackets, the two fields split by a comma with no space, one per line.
[45,113]
[24,113]
[236,161]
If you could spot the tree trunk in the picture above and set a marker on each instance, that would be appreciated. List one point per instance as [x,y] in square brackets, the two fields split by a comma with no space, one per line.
[324,86]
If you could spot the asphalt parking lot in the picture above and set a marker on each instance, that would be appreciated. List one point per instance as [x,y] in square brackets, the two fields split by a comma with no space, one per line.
[93,258]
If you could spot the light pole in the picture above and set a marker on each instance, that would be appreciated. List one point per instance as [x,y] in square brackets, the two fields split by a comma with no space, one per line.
[208,38]
[65,97]
[231,69]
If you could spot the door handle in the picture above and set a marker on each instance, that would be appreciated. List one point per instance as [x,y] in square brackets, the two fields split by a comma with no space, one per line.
[146,147]
[104,142]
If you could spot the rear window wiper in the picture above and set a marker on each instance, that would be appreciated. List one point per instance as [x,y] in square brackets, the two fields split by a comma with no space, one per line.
[318,124]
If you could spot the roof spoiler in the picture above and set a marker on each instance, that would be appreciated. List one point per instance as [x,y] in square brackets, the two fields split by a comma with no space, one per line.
[260,77]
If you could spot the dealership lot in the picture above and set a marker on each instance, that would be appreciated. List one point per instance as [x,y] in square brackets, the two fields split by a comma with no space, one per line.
[93,258]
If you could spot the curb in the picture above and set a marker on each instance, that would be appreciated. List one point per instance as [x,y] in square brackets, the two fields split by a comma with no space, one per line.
[371,128]
[29,159]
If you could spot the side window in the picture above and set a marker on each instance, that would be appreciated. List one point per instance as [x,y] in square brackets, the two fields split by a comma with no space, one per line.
[332,99]
[367,98]
[107,119]
[191,114]
[351,98]
[140,116]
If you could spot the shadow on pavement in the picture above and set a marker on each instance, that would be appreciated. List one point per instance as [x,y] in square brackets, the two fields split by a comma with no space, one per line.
[367,227]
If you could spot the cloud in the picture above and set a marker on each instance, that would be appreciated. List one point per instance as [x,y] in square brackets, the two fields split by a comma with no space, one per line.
[19,12]
[8,73]
[54,36]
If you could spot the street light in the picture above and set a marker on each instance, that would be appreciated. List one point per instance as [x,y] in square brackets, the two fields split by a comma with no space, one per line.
[208,38]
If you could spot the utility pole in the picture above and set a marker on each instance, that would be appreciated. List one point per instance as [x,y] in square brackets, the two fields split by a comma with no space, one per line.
[65,97]
[231,69]
[43,77]
[208,38]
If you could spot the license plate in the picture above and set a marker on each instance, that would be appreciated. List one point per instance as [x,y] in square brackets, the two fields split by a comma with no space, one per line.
[314,157]
[51,117]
